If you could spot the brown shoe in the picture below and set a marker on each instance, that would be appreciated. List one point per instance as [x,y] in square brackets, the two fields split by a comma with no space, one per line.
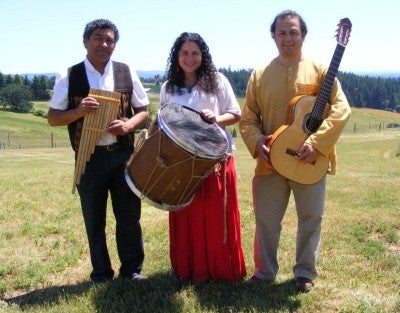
[304,284]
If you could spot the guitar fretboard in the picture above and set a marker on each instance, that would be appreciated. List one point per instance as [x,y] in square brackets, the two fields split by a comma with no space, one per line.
[317,111]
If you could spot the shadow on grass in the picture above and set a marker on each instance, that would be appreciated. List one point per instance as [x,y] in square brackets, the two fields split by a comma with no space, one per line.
[164,293]
[242,297]
[48,296]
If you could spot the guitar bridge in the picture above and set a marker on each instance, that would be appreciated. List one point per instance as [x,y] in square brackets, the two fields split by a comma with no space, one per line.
[295,154]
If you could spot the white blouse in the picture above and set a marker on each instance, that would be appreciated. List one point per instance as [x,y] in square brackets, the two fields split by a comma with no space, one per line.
[224,102]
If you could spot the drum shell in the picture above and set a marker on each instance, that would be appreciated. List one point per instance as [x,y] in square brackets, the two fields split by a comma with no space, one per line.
[164,173]
[171,159]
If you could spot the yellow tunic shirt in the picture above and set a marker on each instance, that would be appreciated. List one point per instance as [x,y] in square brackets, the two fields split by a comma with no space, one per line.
[269,92]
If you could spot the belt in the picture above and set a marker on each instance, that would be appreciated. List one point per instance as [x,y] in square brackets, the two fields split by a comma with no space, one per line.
[109,148]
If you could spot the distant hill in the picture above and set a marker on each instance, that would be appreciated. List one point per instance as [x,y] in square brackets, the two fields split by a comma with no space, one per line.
[150,74]
[378,74]
[141,74]
[27,130]
[32,75]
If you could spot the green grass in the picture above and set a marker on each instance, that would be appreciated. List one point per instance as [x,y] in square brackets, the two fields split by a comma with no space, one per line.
[25,130]
[44,262]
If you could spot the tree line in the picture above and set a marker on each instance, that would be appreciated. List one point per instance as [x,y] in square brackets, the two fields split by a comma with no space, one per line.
[17,92]
[361,91]
[371,92]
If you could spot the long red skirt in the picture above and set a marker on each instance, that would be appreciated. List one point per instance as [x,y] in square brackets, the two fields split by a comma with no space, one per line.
[205,239]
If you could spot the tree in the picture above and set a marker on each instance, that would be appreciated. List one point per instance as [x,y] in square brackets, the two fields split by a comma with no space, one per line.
[17,97]
[238,79]
[18,79]
[40,87]
[2,80]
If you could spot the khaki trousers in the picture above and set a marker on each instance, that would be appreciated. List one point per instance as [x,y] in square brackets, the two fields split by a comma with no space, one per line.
[270,199]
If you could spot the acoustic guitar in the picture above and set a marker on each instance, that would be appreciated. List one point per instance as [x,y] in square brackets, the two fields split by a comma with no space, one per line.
[305,115]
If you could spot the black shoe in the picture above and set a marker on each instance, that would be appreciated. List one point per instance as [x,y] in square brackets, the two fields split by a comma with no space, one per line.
[99,281]
[136,276]
[304,284]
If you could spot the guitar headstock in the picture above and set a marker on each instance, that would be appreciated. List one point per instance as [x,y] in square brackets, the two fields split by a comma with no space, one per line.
[343,31]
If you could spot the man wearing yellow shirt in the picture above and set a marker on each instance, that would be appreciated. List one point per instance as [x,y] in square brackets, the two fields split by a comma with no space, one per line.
[269,92]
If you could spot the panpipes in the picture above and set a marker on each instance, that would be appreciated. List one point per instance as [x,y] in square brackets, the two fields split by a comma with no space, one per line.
[94,126]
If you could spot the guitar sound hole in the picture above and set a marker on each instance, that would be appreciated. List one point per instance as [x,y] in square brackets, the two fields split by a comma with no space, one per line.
[311,124]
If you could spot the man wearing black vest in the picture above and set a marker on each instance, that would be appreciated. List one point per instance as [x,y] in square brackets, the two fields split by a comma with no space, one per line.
[105,170]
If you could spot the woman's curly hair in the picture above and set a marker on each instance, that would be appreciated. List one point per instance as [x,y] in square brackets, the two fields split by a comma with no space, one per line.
[207,79]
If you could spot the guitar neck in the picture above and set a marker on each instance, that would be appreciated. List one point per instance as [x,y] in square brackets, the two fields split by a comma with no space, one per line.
[323,96]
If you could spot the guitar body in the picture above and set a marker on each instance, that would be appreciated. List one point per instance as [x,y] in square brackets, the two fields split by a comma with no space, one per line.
[288,139]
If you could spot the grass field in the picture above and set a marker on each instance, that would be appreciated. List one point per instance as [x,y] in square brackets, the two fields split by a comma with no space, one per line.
[44,262]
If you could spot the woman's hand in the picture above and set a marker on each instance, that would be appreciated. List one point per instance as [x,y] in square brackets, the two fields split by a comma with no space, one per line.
[208,115]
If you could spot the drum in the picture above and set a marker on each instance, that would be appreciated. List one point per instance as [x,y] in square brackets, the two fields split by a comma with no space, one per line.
[172,157]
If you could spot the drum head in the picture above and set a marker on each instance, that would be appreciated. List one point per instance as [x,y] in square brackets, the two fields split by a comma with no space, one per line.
[190,131]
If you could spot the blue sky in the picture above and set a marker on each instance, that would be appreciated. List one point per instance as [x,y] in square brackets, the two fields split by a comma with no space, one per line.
[42,36]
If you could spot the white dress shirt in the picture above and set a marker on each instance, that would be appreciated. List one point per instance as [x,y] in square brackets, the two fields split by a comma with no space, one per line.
[59,99]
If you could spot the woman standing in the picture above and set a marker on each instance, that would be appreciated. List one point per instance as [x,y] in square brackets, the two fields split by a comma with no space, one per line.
[205,239]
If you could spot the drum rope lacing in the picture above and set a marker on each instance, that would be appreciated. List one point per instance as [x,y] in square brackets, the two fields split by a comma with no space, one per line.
[216,169]
[161,164]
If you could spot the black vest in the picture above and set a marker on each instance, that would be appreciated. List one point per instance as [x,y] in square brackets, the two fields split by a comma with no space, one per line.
[79,88]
